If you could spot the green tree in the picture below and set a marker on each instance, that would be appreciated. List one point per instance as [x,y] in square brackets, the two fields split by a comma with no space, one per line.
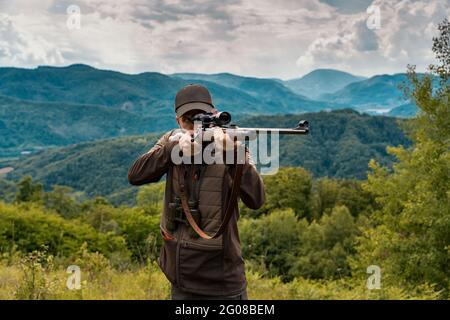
[289,188]
[272,240]
[325,245]
[325,195]
[411,239]
[62,199]
[328,193]
[141,232]
[289,247]
[150,198]
[28,227]
[27,190]
[352,195]
[100,215]
[7,190]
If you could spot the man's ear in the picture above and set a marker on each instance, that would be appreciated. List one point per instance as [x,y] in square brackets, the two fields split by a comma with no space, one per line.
[178,119]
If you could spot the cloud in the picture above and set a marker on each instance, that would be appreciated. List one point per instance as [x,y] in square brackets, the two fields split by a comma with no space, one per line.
[284,38]
[404,37]
[346,6]
[23,48]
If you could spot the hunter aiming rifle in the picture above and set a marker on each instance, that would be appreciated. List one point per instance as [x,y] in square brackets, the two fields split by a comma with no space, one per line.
[205,180]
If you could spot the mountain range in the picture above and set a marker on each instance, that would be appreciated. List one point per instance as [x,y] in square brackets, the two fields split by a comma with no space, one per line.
[148,93]
[340,144]
[56,106]
[321,81]
[378,93]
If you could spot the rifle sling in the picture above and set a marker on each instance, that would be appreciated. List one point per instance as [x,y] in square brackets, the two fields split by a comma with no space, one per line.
[229,209]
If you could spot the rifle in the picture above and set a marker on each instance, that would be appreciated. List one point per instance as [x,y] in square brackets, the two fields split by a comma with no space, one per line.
[209,121]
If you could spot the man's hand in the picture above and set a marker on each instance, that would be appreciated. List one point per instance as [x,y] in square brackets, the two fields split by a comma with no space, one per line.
[187,145]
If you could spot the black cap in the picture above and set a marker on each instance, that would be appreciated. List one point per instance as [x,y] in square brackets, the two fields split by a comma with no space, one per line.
[193,97]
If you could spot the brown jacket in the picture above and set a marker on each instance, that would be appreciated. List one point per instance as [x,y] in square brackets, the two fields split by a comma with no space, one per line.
[211,267]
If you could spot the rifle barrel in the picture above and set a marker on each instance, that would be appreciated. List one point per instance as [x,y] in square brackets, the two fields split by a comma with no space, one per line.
[278,130]
[249,133]
[252,133]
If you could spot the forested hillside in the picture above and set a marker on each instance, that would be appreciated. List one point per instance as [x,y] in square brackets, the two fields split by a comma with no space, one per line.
[340,145]
[146,93]
[27,126]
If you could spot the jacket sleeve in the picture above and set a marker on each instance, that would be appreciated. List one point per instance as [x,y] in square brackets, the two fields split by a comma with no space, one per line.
[151,166]
[252,187]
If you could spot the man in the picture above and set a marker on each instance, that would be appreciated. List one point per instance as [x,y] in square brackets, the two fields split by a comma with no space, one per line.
[201,255]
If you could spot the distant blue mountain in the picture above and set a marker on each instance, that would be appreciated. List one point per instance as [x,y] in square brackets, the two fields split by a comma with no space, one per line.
[253,86]
[407,110]
[272,92]
[153,93]
[321,81]
[377,94]
[86,85]
[147,93]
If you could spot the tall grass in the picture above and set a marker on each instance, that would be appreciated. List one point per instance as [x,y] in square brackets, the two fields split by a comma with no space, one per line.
[37,276]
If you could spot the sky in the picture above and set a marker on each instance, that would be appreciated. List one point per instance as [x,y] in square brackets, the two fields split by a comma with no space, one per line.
[262,38]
